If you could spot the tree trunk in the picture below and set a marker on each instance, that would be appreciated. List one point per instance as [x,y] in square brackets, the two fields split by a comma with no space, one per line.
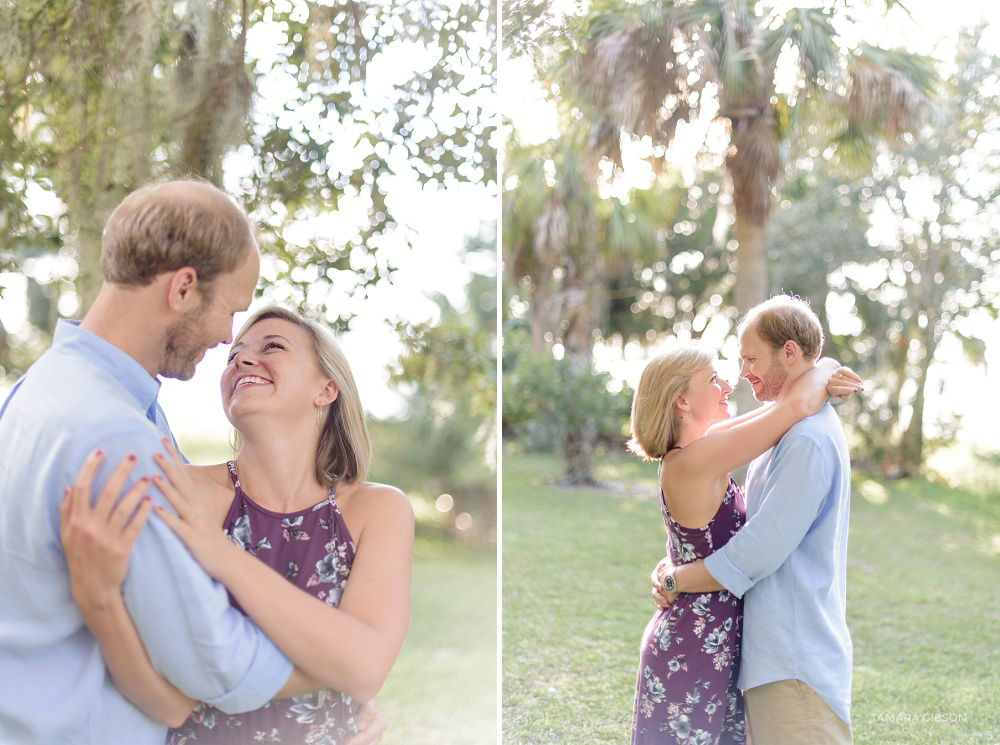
[751,287]
[90,200]
[211,71]
[88,259]
[752,281]
[578,343]
[541,312]
[911,445]
[4,350]
[753,164]
[578,448]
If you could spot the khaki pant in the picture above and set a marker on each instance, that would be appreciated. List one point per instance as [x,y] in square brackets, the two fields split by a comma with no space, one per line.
[788,712]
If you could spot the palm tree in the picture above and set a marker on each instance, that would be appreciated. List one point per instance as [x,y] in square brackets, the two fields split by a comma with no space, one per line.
[559,239]
[648,66]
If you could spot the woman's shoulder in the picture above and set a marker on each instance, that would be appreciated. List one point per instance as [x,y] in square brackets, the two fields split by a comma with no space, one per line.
[214,480]
[367,502]
[215,474]
[374,497]
[684,464]
[691,496]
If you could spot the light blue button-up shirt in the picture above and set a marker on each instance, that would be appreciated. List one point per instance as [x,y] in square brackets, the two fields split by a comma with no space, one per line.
[85,393]
[791,561]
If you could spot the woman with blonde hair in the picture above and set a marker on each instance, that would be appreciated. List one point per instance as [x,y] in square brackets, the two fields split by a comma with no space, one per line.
[689,661]
[318,557]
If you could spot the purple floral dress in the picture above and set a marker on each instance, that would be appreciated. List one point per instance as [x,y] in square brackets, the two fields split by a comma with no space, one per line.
[313,549]
[689,662]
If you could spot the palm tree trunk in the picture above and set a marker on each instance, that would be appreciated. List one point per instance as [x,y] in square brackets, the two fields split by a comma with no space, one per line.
[753,166]
[578,448]
[752,280]
[578,343]
[541,312]
[750,289]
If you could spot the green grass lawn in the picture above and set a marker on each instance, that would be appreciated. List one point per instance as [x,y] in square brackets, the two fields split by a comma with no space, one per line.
[443,688]
[924,561]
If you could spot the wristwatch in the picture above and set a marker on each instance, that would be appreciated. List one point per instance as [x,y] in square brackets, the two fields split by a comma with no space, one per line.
[667,578]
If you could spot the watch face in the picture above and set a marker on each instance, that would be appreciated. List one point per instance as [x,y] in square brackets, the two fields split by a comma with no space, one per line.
[667,578]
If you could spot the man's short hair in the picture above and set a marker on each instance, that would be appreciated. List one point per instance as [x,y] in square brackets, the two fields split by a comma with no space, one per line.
[166,226]
[784,318]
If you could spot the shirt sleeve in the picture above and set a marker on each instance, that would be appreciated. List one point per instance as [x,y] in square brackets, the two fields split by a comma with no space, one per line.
[792,498]
[193,636]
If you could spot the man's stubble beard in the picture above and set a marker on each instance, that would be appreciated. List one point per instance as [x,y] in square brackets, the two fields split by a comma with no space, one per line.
[185,346]
[772,382]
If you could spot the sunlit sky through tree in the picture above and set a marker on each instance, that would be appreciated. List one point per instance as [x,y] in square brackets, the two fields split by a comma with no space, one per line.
[930,28]
[438,221]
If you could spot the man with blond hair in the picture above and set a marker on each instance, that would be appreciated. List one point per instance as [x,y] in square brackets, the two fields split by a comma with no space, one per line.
[179,260]
[789,561]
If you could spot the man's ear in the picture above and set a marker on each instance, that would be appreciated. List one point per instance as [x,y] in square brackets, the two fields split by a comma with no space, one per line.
[791,352]
[328,395]
[183,292]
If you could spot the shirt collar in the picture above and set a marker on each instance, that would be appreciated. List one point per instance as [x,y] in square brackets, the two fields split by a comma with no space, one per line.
[73,340]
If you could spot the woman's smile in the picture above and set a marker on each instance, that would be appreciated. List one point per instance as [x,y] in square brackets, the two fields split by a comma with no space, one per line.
[251,379]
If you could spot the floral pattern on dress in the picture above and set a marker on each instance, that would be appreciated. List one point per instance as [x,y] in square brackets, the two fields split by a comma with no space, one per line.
[686,690]
[242,535]
[314,550]
[292,530]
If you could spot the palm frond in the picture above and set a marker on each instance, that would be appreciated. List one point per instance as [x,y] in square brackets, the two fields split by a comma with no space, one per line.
[521,206]
[623,75]
[728,35]
[547,218]
[604,21]
[856,149]
[811,32]
[634,230]
[698,14]
[605,139]
[919,69]
[889,90]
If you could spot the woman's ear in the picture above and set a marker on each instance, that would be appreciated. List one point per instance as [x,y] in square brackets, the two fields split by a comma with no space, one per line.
[328,395]
[682,404]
